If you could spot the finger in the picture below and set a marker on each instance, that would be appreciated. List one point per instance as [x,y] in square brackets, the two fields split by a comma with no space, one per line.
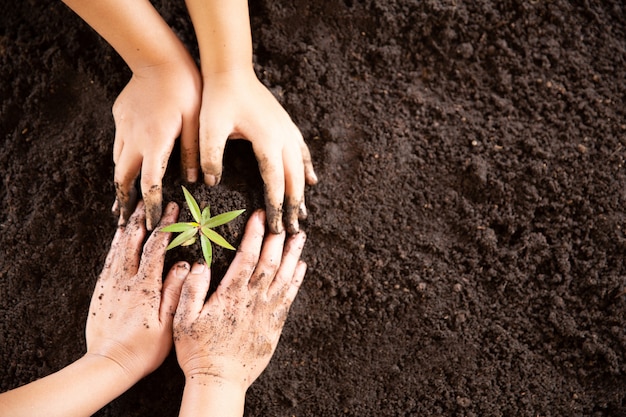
[296,282]
[193,293]
[292,214]
[309,173]
[153,257]
[152,172]
[151,192]
[118,145]
[294,188]
[115,208]
[269,261]
[153,199]
[273,175]
[211,154]
[303,213]
[189,148]
[114,253]
[247,257]
[126,172]
[170,295]
[288,263]
[132,240]
[117,252]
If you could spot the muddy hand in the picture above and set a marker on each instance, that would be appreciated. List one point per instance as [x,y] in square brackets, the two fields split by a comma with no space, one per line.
[232,336]
[248,110]
[131,311]
[156,106]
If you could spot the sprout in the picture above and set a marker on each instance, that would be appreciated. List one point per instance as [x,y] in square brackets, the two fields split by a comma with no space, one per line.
[202,226]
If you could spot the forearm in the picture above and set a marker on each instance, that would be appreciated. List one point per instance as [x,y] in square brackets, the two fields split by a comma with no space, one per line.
[223,32]
[133,28]
[79,389]
[211,396]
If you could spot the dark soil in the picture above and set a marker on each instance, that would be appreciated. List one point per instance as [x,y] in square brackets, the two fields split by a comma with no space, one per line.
[467,238]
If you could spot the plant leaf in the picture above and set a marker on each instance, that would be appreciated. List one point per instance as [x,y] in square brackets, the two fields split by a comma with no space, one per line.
[206,215]
[216,238]
[178,227]
[207,250]
[182,238]
[189,242]
[223,218]
[193,205]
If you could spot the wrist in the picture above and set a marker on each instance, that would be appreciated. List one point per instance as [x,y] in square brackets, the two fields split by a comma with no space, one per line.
[111,367]
[234,70]
[207,394]
[173,59]
[233,79]
[118,361]
[208,377]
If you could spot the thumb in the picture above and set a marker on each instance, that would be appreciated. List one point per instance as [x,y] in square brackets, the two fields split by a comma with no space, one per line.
[193,293]
[170,294]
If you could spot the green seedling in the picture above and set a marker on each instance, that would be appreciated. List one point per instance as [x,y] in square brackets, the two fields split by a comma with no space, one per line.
[202,226]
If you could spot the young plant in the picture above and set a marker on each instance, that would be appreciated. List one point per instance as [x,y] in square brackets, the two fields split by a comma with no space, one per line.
[202,225]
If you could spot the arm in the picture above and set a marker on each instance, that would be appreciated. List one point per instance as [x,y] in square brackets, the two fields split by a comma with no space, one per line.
[133,28]
[160,102]
[129,329]
[79,389]
[223,345]
[248,110]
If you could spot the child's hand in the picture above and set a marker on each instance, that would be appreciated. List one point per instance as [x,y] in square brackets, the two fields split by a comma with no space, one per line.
[230,339]
[158,104]
[131,311]
[235,104]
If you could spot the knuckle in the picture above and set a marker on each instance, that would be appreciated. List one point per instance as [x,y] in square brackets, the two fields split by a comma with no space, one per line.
[248,260]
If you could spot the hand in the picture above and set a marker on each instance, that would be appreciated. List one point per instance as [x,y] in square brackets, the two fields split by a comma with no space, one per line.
[235,104]
[159,103]
[231,338]
[131,312]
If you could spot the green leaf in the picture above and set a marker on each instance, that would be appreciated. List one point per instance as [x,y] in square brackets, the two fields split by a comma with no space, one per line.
[223,218]
[189,242]
[207,250]
[193,205]
[206,215]
[179,227]
[216,238]
[182,238]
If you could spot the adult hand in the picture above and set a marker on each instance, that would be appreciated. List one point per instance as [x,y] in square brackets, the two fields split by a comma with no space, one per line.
[132,310]
[228,340]
[159,103]
[236,105]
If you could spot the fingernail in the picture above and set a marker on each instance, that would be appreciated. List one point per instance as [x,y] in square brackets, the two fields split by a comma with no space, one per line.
[198,267]
[303,211]
[210,180]
[192,175]
[121,222]
[115,209]
[182,270]
[276,227]
[293,227]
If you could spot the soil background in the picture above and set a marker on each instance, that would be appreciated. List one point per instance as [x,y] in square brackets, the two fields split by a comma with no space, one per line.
[466,239]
